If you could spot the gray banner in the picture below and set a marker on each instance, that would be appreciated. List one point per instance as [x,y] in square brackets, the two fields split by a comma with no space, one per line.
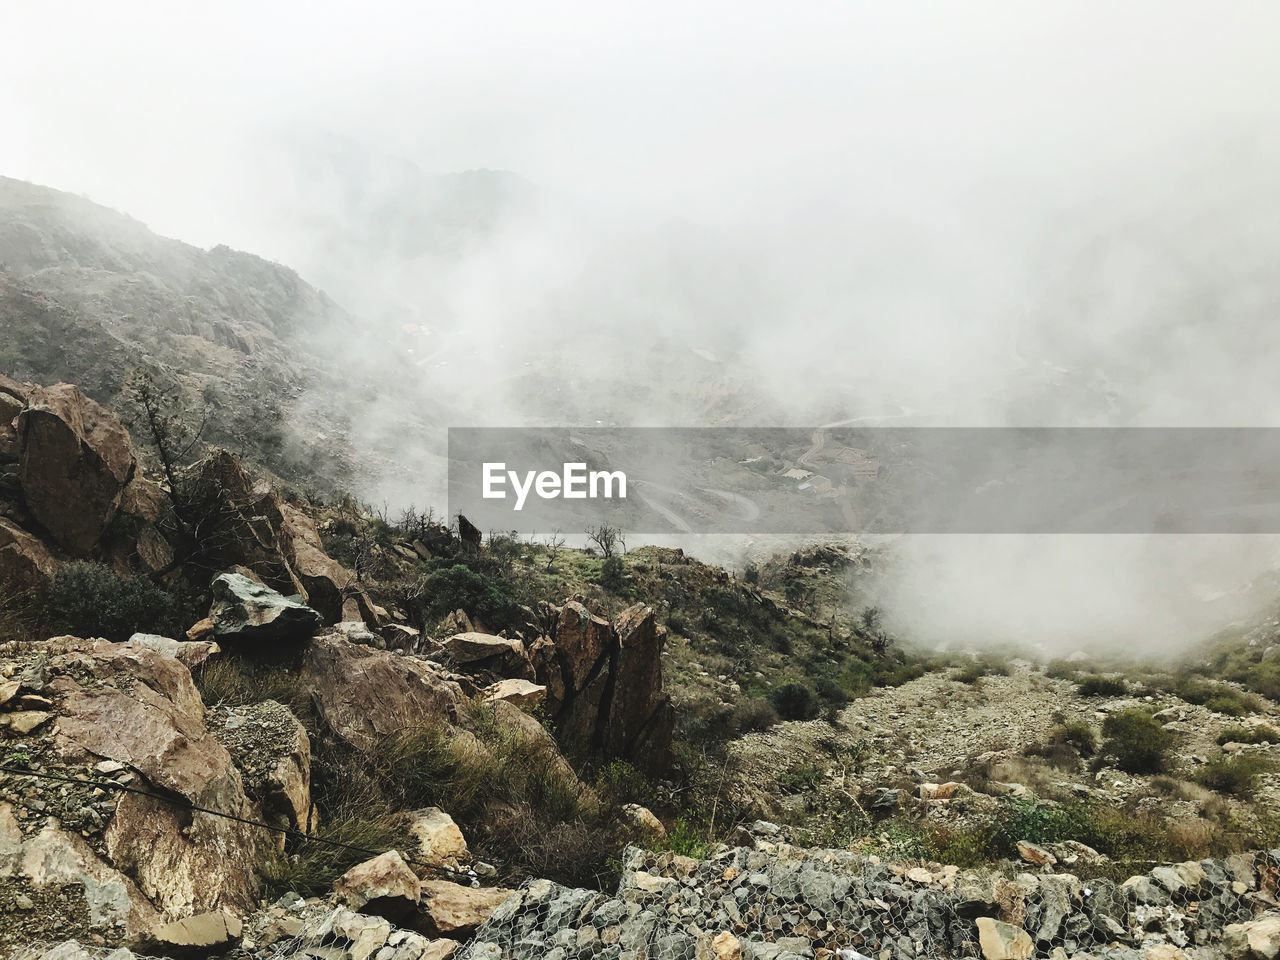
[846,479]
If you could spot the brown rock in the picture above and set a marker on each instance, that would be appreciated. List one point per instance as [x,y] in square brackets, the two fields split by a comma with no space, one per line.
[1033,853]
[466,648]
[213,929]
[26,565]
[641,719]
[520,693]
[1003,941]
[273,753]
[581,640]
[76,459]
[448,909]
[201,630]
[368,695]
[438,839]
[24,721]
[644,818]
[190,653]
[383,886]
[722,946]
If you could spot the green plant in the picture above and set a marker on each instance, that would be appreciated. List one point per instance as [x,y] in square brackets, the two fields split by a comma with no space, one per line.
[1237,775]
[1077,734]
[1137,740]
[1249,735]
[794,701]
[753,714]
[1102,687]
[613,575]
[93,600]
[460,587]
[799,778]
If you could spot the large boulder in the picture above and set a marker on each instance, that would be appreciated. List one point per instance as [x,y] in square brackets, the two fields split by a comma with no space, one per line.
[367,695]
[115,863]
[76,459]
[245,610]
[451,910]
[438,841]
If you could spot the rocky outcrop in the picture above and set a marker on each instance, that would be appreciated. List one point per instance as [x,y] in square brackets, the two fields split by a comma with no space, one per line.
[274,539]
[367,695]
[245,611]
[604,684]
[76,459]
[437,840]
[115,863]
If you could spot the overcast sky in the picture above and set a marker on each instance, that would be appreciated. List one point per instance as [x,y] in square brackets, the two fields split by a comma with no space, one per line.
[702,109]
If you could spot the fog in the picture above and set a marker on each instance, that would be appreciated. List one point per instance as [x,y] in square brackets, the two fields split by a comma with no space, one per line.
[979,214]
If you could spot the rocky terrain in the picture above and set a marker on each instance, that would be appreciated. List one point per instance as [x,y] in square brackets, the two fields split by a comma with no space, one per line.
[243,715]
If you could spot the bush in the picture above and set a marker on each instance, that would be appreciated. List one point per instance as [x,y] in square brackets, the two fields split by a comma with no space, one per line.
[1237,776]
[980,667]
[1078,734]
[1249,735]
[93,600]
[753,714]
[613,575]
[795,701]
[1217,697]
[1102,687]
[460,587]
[800,778]
[1138,742]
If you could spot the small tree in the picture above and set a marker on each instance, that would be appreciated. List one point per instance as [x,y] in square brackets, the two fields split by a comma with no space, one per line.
[553,545]
[608,539]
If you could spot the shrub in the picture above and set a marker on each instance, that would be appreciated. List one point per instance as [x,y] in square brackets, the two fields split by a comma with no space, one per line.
[753,714]
[613,574]
[1237,776]
[1262,734]
[795,701]
[1102,687]
[93,600]
[1217,697]
[460,587]
[1078,734]
[800,778]
[1138,742]
[1061,670]
[980,667]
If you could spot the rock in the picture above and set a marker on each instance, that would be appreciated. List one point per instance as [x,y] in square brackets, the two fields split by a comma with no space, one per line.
[366,934]
[24,721]
[1003,941]
[273,753]
[26,565]
[246,611]
[885,799]
[368,695]
[943,791]
[201,630]
[213,929]
[640,716]
[1162,951]
[438,839]
[355,631]
[469,648]
[643,818]
[383,886]
[448,909]
[1254,940]
[1033,853]
[190,654]
[520,693]
[76,459]
[581,640]
[721,946]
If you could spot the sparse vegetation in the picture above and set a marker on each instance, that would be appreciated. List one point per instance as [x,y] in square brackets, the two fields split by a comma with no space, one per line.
[1234,775]
[1101,686]
[1138,742]
[1249,735]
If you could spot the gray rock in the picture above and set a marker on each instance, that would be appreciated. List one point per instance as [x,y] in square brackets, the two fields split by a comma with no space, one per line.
[245,610]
